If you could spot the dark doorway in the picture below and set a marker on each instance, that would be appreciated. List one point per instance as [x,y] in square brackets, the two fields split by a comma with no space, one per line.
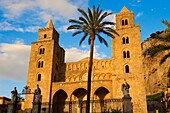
[59,99]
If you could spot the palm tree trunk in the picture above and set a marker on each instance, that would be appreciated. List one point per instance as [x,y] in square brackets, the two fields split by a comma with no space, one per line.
[89,74]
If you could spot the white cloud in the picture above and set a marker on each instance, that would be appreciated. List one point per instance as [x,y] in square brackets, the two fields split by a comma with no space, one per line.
[139,14]
[111,18]
[5,26]
[32,29]
[14,61]
[40,10]
[74,54]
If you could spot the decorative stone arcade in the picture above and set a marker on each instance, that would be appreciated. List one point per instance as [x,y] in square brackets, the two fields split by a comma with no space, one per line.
[76,103]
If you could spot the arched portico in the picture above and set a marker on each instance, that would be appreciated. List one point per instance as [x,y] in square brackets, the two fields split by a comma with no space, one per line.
[99,97]
[78,101]
[59,101]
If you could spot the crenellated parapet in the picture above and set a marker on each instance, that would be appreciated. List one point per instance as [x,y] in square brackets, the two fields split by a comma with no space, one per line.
[83,64]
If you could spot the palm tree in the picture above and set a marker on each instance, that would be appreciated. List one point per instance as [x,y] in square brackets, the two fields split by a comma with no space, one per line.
[91,24]
[154,50]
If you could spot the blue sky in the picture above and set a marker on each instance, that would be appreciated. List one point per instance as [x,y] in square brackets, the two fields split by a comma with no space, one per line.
[20,20]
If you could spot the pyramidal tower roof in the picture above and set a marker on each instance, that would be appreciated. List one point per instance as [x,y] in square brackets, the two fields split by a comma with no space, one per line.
[49,24]
[124,9]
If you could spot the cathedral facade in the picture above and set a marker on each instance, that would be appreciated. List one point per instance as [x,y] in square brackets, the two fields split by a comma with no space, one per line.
[64,85]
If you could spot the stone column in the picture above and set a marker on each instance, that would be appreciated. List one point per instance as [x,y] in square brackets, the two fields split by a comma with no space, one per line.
[127,105]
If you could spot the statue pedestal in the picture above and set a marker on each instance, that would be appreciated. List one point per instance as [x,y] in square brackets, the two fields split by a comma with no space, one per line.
[12,107]
[127,105]
[37,105]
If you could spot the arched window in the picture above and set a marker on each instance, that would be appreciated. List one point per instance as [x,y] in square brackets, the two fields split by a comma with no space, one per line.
[126,22]
[123,22]
[123,40]
[41,50]
[128,54]
[126,69]
[40,64]
[39,77]
[127,40]
[124,54]
[45,35]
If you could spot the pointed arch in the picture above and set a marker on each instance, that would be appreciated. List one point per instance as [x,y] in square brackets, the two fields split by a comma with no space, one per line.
[127,40]
[128,54]
[39,77]
[123,40]
[123,22]
[124,54]
[127,70]
[126,22]
[59,100]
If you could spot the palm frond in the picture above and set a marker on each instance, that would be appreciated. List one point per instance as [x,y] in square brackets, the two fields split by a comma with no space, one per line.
[102,40]
[94,13]
[84,14]
[98,14]
[108,33]
[164,58]
[90,16]
[165,38]
[165,22]
[153,51]
[75,21]
[83,19]
[83,38]
[77,32]
[74,27]
[110,30]
[104,15]
[107,23]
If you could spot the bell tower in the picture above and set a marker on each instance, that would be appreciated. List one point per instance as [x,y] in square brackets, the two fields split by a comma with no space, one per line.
[127,59]
[46,59]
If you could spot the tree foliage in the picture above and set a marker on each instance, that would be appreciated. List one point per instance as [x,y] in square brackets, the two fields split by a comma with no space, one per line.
[92,23]
[156,49]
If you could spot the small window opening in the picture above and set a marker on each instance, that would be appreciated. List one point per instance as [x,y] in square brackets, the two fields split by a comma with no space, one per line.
[127,40]
[128,54]
[123,40]
[126,22]
[124,54]
[40,64]
[39,77]
[126,69]
[123,22]
[42,50]
[45,35]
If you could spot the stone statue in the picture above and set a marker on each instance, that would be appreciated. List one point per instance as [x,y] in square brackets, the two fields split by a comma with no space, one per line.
[37,94]
[125,88]
[14,95]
